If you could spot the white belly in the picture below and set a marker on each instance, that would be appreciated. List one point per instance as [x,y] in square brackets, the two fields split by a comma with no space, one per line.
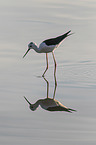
[46,49]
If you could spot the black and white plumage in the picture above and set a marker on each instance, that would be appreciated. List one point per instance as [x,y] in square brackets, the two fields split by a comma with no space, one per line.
[57,40]
[49,105]
[48,46]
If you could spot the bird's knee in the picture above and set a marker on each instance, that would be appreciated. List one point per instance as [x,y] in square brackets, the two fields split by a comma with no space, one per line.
[47,67]
[55,64]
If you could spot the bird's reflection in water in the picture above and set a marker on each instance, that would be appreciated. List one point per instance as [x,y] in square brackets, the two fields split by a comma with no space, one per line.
[49,104]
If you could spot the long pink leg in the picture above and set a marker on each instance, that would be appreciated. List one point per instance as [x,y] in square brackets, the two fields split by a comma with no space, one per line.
[46,66]
[54,68]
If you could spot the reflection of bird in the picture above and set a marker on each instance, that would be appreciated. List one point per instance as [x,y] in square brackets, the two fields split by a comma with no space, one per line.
[48,46]
[49,105]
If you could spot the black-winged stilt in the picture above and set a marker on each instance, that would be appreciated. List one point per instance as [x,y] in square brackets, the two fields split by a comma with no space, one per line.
[48,46]
[49,104]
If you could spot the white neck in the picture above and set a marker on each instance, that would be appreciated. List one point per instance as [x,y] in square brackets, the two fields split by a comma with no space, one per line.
[36,48]
[36,104]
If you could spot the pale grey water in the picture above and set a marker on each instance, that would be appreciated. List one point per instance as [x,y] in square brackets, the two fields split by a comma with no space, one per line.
[23,21]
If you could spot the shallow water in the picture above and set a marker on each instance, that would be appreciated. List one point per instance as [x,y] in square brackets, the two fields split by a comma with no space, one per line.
[25,21]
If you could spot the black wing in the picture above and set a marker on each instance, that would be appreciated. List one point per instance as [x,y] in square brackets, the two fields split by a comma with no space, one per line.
[58,108]
[57,40]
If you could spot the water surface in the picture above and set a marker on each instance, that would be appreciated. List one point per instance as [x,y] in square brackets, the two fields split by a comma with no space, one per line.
[24,21]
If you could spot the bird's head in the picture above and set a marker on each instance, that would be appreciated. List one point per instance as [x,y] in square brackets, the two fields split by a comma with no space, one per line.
[33,107]
[30,46]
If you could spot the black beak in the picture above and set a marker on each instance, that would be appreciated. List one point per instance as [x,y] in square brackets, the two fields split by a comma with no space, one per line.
[26,53]
[27,100]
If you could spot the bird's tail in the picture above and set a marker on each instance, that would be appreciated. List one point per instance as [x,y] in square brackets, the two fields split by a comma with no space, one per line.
[60,38]
[67,34]
[27,100]
[71,109]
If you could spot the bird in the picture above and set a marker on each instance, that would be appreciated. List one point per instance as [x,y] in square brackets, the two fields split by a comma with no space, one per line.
[49,104]
[48,46]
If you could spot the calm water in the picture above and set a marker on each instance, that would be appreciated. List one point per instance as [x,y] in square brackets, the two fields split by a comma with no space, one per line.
[23,21]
